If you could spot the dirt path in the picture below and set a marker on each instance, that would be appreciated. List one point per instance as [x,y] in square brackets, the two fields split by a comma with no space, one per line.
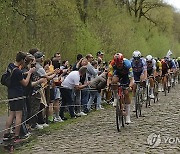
[97,132]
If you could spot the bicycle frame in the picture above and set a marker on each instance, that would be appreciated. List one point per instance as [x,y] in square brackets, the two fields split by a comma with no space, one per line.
[120,107]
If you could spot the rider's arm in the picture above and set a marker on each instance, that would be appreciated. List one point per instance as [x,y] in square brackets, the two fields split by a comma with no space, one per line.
[154,68]
[144,69]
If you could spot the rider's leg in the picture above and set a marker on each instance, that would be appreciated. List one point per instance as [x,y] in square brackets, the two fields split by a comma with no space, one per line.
[114,87]
[151,80]
[127,107]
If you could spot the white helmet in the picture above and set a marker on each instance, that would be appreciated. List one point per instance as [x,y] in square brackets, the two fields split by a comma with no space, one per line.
[136,54]
[149,58]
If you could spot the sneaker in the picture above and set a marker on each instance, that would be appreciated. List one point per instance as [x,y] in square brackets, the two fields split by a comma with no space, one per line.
[25,137]
[45,125]
[39,126]
[151,96]
[159,89]
[58,119]
[28,134]
[63,118]
[81,114]
[100,108]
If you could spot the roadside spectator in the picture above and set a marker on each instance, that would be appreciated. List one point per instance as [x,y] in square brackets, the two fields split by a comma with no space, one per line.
[56,60]
[15,91]
[72,81]
[78,58]
[91,73]
[97,84]
[100,56]
[42,73]
[83,79]
[24,131]
[33,51]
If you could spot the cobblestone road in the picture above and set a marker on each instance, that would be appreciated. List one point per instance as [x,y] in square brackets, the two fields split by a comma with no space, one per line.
[97,132]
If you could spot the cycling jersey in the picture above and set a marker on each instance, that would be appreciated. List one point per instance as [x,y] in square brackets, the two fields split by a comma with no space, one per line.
[151,67]
[158,66]
[123,73]
[138,68]
[171,64]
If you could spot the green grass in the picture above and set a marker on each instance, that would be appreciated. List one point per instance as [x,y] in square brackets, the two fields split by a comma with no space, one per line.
[3,108]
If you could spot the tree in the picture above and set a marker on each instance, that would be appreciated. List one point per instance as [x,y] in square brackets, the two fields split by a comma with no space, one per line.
[82,8]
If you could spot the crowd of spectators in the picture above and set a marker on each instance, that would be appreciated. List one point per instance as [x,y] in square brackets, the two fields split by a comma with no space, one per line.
[42,90]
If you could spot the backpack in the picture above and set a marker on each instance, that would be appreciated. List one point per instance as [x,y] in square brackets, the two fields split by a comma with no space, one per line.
[6,77]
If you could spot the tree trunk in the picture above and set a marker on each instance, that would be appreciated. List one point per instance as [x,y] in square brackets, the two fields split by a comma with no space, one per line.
[140,9]
[31,21]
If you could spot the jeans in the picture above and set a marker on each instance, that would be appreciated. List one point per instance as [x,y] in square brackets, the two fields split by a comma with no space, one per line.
[67,100]
[84,99]
[24,130]
[93,95]
[77,101]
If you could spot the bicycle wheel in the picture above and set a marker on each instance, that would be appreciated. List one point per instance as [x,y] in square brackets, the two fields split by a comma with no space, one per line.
[168,85]
[118,116]
[156,86]
[147,99]
[137,104]
[121,111]
[141,103]
[178,78]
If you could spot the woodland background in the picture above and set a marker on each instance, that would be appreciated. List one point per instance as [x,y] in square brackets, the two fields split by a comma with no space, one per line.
[87,26]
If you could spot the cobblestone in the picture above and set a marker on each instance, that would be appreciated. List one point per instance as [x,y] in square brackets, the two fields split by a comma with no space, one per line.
[97,132]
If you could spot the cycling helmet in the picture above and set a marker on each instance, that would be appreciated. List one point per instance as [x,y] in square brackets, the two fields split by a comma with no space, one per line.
[136,54]
[149,58]
[118,58]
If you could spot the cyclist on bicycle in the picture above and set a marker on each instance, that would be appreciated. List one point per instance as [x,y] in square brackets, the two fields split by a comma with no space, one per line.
[121,71]
[151,72]
[158,73]
[167,66]
[139,70]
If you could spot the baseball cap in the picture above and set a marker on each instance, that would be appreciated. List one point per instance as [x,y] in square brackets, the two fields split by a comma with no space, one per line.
[38,55]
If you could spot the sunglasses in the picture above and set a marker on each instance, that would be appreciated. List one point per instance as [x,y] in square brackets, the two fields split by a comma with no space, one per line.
[149,62]
[136,58]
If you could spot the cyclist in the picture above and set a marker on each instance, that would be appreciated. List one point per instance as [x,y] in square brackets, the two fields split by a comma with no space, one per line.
[178,60]
[167,66]
[121,71]
[151,71]
[139,70]
[159,73]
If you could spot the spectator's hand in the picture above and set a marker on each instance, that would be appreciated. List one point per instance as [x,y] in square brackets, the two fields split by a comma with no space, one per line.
[32,70]
[88,83]
[42,80]
[57,71]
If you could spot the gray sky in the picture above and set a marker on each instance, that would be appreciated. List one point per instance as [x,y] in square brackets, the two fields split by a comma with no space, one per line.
[174,3]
